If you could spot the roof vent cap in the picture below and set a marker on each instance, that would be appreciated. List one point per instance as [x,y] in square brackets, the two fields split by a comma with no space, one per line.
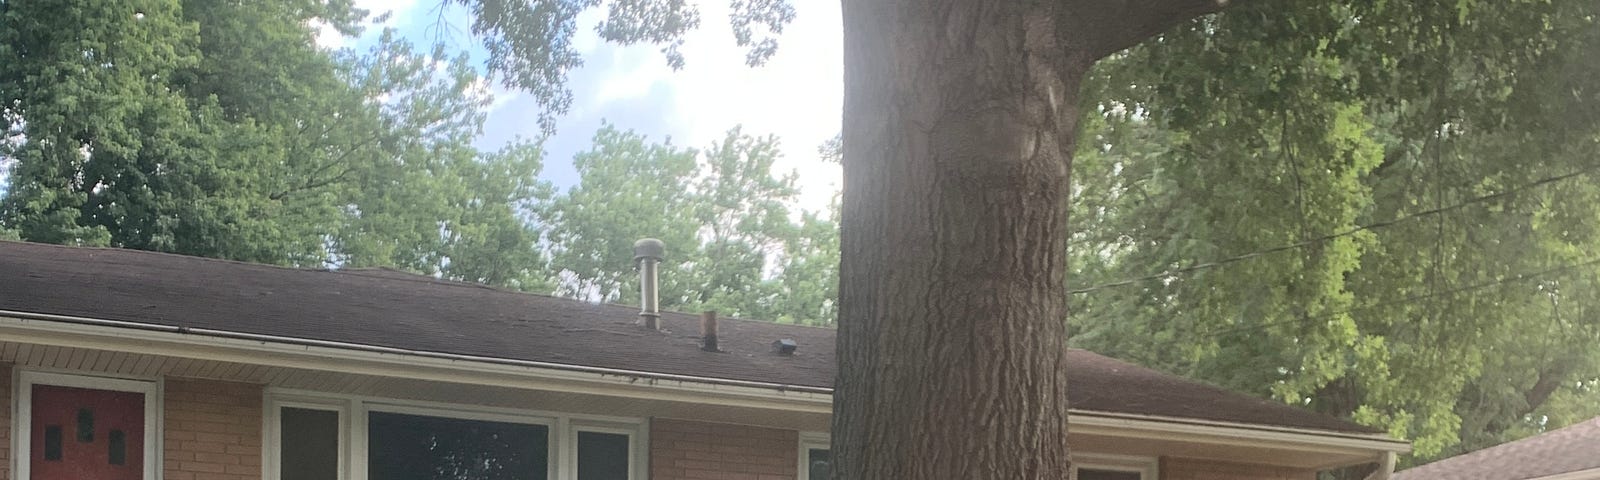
[785,346]
[649,248]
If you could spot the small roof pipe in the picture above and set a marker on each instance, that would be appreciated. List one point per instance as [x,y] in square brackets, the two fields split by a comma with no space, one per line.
[1385,467]
[708,331]
[647,254]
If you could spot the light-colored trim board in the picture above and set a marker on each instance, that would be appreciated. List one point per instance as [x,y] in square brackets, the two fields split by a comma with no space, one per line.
[22,414]
[1589,474]
[1148,468]
[293,353]
[561,429]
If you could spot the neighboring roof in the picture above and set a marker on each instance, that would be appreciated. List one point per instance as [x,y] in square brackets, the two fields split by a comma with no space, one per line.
[1572,449]
[386,308]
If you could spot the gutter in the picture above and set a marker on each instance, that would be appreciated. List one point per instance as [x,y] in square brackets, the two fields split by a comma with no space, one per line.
[1385,467]
[276,343]
[290,352]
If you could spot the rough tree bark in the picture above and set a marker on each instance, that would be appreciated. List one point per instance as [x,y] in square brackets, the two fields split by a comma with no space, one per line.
[959,124]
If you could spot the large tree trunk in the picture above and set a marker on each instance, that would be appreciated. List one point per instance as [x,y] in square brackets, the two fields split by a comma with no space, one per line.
[959,122]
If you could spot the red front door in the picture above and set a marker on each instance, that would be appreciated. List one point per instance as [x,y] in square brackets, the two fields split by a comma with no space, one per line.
[85,434]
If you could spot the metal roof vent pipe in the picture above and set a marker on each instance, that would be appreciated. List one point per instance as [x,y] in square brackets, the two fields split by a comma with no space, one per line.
[647,254]
[708,331]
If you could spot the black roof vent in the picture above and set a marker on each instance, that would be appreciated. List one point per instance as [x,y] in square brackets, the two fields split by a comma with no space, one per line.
[785,346]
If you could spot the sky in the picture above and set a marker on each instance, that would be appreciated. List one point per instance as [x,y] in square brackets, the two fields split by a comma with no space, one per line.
[796,96]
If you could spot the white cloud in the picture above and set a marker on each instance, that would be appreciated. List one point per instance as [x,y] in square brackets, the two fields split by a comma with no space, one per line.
[797,95]
[399,12]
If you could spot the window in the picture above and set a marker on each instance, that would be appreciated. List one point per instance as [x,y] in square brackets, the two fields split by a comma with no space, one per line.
[80,427]
[1114,467]
[310,443]
[417,447]
[816,462]
[325,438]
[604,454]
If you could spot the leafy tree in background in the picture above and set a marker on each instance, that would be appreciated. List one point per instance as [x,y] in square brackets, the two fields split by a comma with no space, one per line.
[219,129]
[1209,147]
[722,212]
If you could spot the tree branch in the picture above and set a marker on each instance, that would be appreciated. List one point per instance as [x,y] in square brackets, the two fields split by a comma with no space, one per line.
[1105,27]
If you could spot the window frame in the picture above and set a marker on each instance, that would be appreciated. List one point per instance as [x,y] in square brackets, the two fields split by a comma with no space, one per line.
[811,441]
[274,435]
[562,429]
[637,445]
[22,384]
[1148,468]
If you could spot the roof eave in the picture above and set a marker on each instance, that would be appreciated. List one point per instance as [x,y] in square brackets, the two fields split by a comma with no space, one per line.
[114,335]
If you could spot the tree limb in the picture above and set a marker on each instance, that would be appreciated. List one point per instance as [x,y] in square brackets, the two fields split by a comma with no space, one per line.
[1105,27]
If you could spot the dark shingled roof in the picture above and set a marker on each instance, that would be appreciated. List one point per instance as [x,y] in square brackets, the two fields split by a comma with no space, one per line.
[1572,449]
[393,309]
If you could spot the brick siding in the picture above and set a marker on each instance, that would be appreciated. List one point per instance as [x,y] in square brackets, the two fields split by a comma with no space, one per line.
[685,450]
[213,430]
[1191,469]
[5,421]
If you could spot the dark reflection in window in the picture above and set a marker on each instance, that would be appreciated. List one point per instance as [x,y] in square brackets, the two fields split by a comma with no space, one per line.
[415,447]
[117,444]
[1091,474]
[308,444]
[602,456]
[819,464]
[52,442]
[85,425]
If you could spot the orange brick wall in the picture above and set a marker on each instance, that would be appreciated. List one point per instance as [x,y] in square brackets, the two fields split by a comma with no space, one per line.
[685,450]
[213,430]
[1191,469]
[5,421]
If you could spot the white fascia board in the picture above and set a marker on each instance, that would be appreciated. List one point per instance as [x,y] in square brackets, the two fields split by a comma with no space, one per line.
[1590,474]
[113,335]
[380,361]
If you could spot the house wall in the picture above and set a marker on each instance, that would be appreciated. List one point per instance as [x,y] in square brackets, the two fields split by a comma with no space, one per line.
[5,422]
[212,430]
[1193,469]
[687,450]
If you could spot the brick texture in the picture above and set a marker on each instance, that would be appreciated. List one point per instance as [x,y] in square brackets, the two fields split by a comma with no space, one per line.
[684,450]
[1191,469]
[5,421]
[213,430]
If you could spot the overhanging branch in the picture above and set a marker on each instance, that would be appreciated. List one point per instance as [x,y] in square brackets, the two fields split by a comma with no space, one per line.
[1104,27]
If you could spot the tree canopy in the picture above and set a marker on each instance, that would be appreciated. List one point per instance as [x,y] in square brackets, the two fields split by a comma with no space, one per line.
[1381,210]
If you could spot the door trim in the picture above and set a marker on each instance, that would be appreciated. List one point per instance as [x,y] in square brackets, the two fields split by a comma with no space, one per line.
[22,414]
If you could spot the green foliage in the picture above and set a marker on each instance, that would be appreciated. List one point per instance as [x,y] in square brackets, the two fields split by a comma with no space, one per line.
[732,245]
[218,129]
[1297,123]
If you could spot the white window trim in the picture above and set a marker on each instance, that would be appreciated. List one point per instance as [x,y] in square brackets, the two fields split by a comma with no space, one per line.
[810,441]
[353,409]
[273,434]
[637,445]
[1148,468]
[22,413]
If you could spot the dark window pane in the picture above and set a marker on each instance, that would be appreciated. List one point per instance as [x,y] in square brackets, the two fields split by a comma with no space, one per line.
[1089,474]
[308,446]
[819,464]
[117,447]
[52,442]
[602,456]
[414,447]
[85,425]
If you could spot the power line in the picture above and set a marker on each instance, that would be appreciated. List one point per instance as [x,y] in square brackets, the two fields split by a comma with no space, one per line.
[1313,241]
[1413,298]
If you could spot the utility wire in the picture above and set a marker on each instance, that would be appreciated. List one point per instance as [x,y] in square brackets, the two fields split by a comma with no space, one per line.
[1313,241]
[1413,298]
